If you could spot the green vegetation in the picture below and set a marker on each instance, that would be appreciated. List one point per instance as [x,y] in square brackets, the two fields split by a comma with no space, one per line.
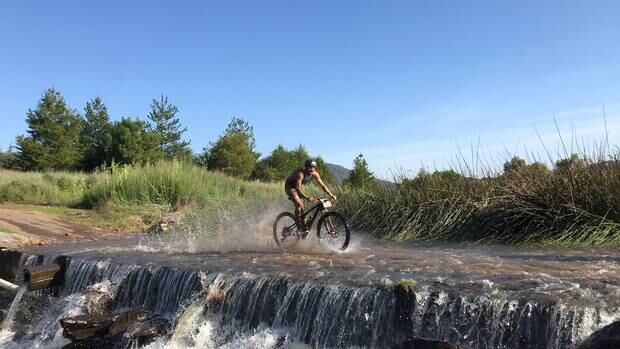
[408,285]
[576,203]
[233,153]
[53,141]
[282,162]
[119,193]
[139,168]
[360,176]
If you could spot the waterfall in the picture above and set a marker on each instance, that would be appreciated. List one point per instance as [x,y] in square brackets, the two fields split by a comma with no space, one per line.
[233,310]
[8,321]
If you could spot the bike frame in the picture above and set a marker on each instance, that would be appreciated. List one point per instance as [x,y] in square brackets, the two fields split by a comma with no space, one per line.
[316,209]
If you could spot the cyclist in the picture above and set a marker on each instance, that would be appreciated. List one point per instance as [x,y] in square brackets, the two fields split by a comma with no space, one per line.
[293,184]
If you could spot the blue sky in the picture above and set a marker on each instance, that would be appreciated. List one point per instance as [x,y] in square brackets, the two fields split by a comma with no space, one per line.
[404,82]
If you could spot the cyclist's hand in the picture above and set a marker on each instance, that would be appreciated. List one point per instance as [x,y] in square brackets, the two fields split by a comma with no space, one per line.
[333,198]
[312,200]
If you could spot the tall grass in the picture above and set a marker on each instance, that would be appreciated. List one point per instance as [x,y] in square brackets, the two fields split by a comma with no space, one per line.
[50,188]
[576,203]
[169,185]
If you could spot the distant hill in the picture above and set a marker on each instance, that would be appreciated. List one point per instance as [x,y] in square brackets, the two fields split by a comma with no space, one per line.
[339,172]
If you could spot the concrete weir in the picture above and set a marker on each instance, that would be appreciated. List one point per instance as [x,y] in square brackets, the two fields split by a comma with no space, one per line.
[186,306]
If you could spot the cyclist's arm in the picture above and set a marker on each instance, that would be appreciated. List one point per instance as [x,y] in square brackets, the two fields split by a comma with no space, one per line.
[300,178]
[323,186]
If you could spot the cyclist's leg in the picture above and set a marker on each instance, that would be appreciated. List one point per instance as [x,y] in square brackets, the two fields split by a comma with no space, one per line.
[299,208]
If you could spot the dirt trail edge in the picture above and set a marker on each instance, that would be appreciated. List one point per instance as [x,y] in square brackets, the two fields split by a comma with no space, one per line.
[28,228]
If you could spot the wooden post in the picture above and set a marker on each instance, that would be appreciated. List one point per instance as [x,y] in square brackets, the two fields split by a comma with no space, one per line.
[43,276]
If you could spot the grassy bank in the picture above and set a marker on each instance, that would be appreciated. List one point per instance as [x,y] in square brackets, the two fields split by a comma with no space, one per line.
[576,203]
[118,196]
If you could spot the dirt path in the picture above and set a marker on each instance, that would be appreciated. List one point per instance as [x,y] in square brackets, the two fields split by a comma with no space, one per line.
[28,228]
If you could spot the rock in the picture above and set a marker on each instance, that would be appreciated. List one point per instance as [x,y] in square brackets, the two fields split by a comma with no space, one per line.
[81,327]
[215,296]
[421,343]
[9,263]
[97,302]
[91,343]
[124,320]
[605,338]
[166,222]
[29,313]
[87,327]
[280,343]
[148,331]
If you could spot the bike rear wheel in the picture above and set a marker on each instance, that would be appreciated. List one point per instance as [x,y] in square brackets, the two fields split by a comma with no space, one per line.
[334,231]
[285,230]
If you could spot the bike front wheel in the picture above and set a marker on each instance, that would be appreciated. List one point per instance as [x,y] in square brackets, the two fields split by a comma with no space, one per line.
[334,231]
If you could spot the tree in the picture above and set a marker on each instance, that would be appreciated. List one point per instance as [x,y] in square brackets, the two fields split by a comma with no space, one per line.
[131,142]
[233,153]
[167,125]
[574,163]
[276,166]
[282,162]
[8,159]
[96,125]
[515,164]
[53,140]
[360,175]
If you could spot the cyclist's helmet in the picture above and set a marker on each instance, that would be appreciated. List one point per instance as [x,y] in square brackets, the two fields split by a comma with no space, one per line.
[310,163]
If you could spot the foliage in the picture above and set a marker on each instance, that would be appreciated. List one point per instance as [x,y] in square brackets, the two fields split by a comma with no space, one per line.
[9,160]
[166,184]
[169,184]
[53,140]
[360,175]
[167,126]
[93,137]
[282,162]
[233,153]
[527,204]
[131,142]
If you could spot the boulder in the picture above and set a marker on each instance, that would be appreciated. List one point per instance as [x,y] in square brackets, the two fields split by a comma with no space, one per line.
[97,302]
[606,337]
[147,331]
[81,327]
[87,327]
[421,343]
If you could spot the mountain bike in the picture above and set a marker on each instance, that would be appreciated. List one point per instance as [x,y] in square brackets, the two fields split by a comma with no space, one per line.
[332,228]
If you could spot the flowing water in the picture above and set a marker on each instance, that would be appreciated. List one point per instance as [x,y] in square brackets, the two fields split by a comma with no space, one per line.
[479,297]
[8,321]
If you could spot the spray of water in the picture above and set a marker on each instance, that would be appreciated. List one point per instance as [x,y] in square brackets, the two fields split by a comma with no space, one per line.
[247,229]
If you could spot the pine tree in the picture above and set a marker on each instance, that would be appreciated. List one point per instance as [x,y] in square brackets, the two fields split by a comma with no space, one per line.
[131,142]
[167,125]
[53,140]
[96,125]
[360,175]
[233,153]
